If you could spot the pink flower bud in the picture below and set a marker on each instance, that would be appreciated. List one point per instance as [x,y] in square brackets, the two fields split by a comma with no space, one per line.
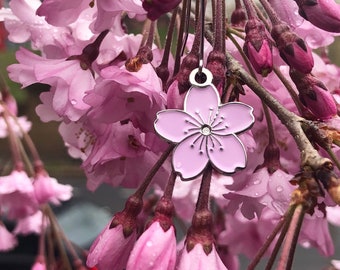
[197,259]
[293,50]
[157,8]
[238,17]
[324,14]
[314,95]
[258,48]
[155,249]
[111,249]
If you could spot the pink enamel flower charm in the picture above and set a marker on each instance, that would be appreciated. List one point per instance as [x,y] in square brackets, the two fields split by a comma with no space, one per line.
[205,130]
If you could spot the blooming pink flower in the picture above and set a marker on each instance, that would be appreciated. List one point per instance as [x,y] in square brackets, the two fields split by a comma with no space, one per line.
[30,224]
[7,240]
[137,96]
[324,14]
[61,13]
[204,131]
[155,249]
[14,188]
[68,80]
[18,125]
[197,259]
[111,249]
[47,189]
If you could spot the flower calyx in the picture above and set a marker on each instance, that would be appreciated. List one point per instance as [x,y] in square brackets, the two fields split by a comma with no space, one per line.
[200,231]
[258,47]
[128,217]
[293,50]
[90,52]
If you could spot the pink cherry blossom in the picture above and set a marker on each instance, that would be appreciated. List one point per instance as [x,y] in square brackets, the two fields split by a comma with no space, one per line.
[47,189]
[61,13]
[17,187]
[111,249]
[68,80]
[8,240]
[205,130]
[197,259]
[155,249]
[30,224]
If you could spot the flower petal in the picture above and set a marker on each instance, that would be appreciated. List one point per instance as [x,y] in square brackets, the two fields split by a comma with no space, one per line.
[233,117]
[226,153]
[202,103]
[175,125]
[190,156]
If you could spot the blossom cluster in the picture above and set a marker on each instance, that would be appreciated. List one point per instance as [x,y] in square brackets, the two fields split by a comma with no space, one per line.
[114,92]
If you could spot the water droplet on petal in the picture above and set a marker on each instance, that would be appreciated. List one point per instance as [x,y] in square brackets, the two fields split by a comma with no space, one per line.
[257,182]
[279,188]
[149,244]
[73,102]
[256,194]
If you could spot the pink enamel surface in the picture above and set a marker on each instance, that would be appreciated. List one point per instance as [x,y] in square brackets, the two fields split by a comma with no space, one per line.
[188,160]
[202,103]
[236,116]
[174,125]
[228,156]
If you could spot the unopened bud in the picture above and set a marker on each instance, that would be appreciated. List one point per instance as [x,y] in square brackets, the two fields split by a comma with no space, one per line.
[258,48]
[238,17]
[156,8]
[293,50]
[324,14]
[314,95]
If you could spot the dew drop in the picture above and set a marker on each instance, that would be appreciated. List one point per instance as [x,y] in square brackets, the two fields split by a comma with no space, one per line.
[149,244]
[256,194]
[73,102]
[257,182]
[279,188]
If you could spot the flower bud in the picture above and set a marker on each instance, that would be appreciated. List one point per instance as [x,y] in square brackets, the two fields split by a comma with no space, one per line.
[314,95]
[238,17]
[324,14]
[258,48]
[156,8]
[293,50]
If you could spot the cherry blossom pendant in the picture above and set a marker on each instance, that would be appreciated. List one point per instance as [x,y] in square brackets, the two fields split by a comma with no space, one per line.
[205,131]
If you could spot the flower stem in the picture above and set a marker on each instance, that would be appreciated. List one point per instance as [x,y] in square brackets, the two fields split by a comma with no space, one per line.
[203,196]
[266,245]
[184,24]
[288,218]
[288,250]
[290,89]
[56,232]
[142,188]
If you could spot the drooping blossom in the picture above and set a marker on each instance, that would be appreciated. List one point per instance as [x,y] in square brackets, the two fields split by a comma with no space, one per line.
[8,240]
[324,14]
[47,189]
[111,249]
[17,187]
[30,224]
[155,249]
[205,130]
[198,259]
